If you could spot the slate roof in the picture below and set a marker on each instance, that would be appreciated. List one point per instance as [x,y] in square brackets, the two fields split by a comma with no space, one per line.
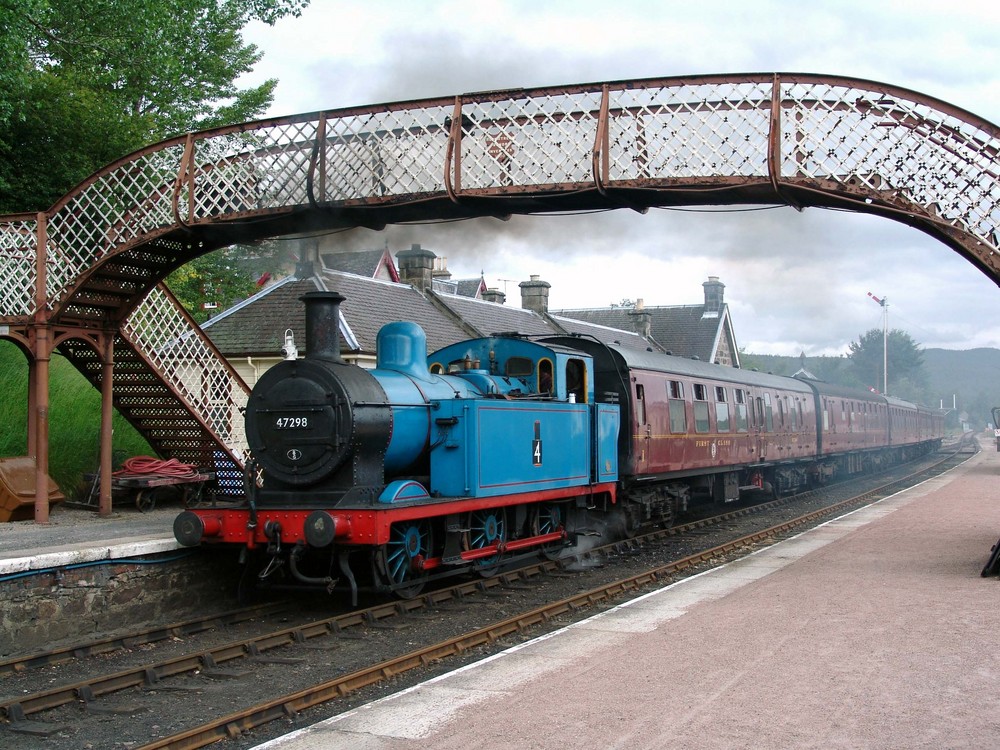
[256,327]
[683,330]
[604,333]
[463,287]
[371,303]
[488,318]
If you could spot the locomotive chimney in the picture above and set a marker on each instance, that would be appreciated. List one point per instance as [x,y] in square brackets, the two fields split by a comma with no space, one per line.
[323,325]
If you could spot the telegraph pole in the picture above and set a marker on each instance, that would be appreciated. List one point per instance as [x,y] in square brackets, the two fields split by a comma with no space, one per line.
[884,302]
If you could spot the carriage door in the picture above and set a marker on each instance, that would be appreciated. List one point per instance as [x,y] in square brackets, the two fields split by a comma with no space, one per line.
[761,425]
[643,431]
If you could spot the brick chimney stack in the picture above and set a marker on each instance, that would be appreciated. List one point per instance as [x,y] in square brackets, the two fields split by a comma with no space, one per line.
[535,294]
[416,267]
[714,297]
[642,321]
[494,295]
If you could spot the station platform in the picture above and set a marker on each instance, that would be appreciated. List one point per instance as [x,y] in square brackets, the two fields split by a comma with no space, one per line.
[79,535]
[874,630]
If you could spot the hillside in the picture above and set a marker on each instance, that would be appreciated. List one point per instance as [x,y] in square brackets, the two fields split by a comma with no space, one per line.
[971,376]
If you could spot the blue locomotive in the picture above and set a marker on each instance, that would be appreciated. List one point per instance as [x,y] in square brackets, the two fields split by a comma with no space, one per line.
[378,478]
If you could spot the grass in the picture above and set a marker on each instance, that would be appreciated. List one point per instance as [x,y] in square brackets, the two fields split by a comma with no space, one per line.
[74,420]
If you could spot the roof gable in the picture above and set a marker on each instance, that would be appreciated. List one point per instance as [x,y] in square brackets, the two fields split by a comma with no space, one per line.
[374,264]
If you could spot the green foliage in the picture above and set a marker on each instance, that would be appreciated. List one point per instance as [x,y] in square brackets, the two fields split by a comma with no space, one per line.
[224,277]
[905,362]
[74,423]
[84,82]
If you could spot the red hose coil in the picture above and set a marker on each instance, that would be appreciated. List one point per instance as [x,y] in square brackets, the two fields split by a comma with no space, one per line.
[161,467]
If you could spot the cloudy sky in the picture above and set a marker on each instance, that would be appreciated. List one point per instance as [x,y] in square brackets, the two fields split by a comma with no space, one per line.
[794,281]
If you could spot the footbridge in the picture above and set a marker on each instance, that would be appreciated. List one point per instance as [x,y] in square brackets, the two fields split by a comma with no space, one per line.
[85,276]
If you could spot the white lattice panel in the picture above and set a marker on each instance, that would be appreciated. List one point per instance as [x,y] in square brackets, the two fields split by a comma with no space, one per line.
[120,205]
[158,330]
[687,131]
[529,140]
[384,153]
[17,267]
[248,171]
[891,143]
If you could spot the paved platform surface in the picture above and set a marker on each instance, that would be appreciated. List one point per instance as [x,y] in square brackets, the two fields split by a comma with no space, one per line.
[872,631]
[77,535]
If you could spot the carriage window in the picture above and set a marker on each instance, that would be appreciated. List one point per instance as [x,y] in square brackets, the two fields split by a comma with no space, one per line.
[721,410]
[701,423]
[768,413]
[741,410]
[722,416]
[519,367]
[781,412]
[678,415]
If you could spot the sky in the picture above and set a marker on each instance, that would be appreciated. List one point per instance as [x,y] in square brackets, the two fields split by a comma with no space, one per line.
[795,281]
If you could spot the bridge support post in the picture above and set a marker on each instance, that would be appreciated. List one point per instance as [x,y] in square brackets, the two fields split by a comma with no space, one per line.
[107,375]
[41,346]
[40,439]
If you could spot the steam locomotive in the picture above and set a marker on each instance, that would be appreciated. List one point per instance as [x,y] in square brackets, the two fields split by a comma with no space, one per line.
[496,447]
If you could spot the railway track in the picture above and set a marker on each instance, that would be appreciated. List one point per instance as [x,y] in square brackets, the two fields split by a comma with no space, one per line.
[199,672]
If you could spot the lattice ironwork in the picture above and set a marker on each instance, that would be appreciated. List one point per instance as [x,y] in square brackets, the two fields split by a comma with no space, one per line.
[542,141]
[898,145]
[182,357]
[811,133]
[245,172]
[680,132]
[18,238]
[384,153]
[118,206]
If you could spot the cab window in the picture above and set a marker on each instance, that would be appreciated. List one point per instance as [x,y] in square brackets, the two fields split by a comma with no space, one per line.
[545,376]
[576,380]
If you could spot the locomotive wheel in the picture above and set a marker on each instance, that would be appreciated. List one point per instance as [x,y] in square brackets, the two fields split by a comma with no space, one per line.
[486,528]
[550,517]
[396,566]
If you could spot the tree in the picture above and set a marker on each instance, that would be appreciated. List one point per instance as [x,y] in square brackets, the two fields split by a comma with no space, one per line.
[225,277]
[84,82]
[906,375]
